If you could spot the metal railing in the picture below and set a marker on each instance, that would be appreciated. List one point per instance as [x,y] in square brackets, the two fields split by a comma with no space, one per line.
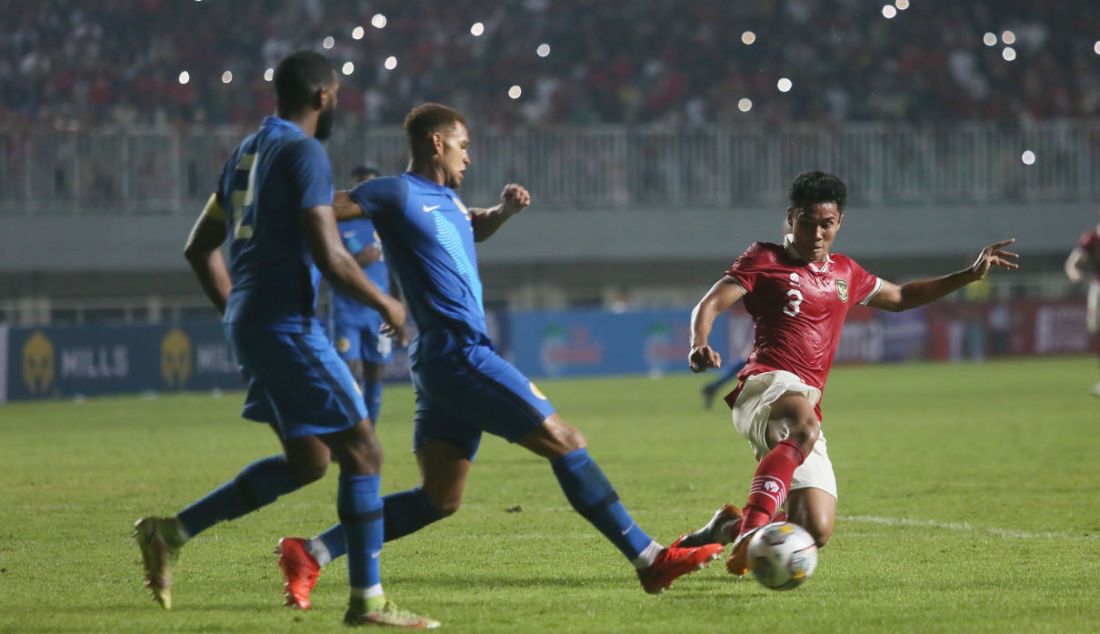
[165,171]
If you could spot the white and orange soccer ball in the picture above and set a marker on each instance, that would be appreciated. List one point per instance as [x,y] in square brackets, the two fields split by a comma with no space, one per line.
[782,555]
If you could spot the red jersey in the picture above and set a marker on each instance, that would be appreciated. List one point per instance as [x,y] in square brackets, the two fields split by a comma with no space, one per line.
[798,309]
[1090,244]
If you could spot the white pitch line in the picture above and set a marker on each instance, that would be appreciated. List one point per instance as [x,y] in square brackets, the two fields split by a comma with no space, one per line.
[1007,533]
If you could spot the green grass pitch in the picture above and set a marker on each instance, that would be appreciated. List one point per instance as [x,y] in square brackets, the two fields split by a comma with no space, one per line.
[969,502]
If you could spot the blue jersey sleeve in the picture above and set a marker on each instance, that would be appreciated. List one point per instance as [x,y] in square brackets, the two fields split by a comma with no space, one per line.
[381,197]
[310,173]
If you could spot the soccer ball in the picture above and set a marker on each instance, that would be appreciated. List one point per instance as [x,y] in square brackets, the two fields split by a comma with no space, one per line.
[782,555]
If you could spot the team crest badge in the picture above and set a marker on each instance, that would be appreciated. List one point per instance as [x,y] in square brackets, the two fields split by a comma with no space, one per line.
[842,290]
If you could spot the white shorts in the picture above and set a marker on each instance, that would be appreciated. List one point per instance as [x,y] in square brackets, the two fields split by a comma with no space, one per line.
[751,411]
[1092,318]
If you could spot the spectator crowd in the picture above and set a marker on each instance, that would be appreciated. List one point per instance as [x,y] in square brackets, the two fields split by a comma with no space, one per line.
[670,63]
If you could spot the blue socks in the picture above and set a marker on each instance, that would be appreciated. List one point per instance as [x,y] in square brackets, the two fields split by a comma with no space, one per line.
[404,512]
[259,484]
[590,493]
[372,396]
[360,510]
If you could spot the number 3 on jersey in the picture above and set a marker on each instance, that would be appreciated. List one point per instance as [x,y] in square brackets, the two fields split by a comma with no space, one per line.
[794,300]
[242,198]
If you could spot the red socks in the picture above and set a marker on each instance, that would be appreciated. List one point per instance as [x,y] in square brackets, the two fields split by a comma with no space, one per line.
[770,483]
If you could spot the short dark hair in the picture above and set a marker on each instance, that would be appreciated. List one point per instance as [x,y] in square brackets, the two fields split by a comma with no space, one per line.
[427,119]
[818,187]
[359,172]
[298,77]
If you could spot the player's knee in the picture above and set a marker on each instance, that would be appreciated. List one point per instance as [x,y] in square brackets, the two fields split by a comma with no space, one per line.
[821,531]
[805,429]
[307,471]
[446,503]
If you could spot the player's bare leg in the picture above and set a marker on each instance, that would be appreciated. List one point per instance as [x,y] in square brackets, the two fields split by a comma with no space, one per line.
[793,429]
[592,495]
[815,510]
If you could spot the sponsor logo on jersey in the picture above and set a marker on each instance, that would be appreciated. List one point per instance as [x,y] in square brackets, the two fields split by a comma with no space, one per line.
[430,208]
[343,344]
[842,290]
[38,364]
[538,394]
[175,358]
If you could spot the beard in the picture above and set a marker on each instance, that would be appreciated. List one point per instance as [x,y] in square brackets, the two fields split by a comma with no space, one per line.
[324,124]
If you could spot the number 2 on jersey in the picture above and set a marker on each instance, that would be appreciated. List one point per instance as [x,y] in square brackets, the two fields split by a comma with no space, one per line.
[243,198]
[794,301]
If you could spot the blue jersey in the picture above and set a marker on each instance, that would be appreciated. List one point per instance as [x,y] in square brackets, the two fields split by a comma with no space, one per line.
[428,240]
[357,235]
[273,174]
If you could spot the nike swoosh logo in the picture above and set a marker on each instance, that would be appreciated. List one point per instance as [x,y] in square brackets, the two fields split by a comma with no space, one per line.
[628,528]
[430,208]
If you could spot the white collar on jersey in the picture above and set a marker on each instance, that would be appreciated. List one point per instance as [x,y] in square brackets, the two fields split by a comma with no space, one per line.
[788,244]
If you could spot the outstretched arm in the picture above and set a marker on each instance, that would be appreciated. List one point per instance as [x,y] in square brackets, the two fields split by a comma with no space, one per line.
[514,199]
[725,293]
[203,253]
[897,298]
[1075,263]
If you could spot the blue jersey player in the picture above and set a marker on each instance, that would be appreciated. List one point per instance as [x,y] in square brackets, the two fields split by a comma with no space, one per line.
[274,204]
[463,387]
[356,328]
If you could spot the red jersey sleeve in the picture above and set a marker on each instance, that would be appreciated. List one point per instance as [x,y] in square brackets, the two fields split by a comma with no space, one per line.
[746,267]
[1089,241]
[864,284]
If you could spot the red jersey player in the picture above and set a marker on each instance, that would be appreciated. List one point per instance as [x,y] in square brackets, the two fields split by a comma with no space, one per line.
[1086,257]
[798,294]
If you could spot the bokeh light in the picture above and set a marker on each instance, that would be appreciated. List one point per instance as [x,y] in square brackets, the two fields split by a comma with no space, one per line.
[543,50]
[889,11]
[515,92]
[357,33]
[328,42]
[1008,37]
[348,68]
[989,39]
[902,5]
[1009,53]
[227,77]
[1028,157]
[269,74]
[784,84]
[390,63]
[747,38]
[378,21]
[477,29]
[744,104]
[185,77]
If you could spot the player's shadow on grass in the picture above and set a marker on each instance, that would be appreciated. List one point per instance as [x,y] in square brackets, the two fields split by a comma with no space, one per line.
[477,582]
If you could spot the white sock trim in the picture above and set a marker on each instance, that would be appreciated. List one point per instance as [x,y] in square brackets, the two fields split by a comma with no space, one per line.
[367,593]
[646,558]
[320,552]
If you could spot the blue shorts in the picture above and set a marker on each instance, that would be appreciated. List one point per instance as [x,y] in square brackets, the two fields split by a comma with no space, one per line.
[296,382]
[468,391]
[358,341]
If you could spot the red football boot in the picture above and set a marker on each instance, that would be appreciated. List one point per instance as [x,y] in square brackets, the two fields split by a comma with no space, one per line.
[674,562]
[300,571]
